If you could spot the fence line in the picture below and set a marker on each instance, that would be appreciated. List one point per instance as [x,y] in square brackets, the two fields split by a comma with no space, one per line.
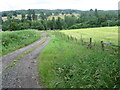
[110,44]
[89,44]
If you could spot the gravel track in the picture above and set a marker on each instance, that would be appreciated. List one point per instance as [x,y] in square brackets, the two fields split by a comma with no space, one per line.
[24,74]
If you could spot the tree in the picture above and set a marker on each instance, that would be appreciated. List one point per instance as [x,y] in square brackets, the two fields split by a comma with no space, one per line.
[37,25]
[64,25]
[42,16]
[44,23]
[53,24]
[29,11]
[70,20]
[9,16]
[59,23]
[13,26]
[35,18]
[29,17]
[5,26]
[102,19]
[15,13]
[23,17]
[96,13]
[33,15]
[91,9]
[4,14]
[23,25]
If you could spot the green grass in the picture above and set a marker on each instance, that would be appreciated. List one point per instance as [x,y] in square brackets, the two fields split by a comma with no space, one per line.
[66,64]
[106,34]
[13,40]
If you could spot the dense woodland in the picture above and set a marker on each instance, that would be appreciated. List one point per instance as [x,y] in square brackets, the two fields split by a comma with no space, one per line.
[38,19]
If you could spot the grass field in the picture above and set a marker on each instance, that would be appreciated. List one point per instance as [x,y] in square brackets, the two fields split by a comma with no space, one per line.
[66,64]
[106,34]
[18,17]
[50,17]
[61,16]
[12,40]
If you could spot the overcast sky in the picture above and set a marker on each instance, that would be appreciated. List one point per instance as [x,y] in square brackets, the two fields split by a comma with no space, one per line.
[58,4]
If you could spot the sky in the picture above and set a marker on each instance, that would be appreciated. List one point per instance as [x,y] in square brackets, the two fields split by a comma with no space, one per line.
[6,5]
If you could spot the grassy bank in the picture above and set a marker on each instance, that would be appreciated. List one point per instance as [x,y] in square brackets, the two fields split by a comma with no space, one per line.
[66,64]
[13,40]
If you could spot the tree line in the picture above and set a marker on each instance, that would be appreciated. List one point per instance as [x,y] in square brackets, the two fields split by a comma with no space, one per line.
[86,19]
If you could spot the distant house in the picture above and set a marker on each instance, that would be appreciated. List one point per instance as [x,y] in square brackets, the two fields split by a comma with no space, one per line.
[60,13]
[53,14]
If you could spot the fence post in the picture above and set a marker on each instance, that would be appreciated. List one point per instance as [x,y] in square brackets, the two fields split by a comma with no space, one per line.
[102,45]
[71,38]
[81,39]
[68,37]
[63,35]
[90,42]
[76,39]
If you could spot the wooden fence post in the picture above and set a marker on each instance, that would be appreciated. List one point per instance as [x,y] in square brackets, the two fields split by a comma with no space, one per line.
[71,38]
[81,39]
[76,39]
[102,45]
[68,37]
[90,45]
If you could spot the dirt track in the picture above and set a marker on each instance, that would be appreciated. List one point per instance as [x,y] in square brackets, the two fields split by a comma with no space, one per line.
[24,74]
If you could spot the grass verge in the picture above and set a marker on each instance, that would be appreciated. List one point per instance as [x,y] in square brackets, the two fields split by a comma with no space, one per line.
[13,40]
[65,64]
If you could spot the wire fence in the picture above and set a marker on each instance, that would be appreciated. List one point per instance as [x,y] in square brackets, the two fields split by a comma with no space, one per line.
[90,44]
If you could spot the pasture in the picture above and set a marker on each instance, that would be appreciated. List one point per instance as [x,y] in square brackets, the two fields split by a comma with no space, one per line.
[50,17]
[17,17]
[106,34]
[62,16]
